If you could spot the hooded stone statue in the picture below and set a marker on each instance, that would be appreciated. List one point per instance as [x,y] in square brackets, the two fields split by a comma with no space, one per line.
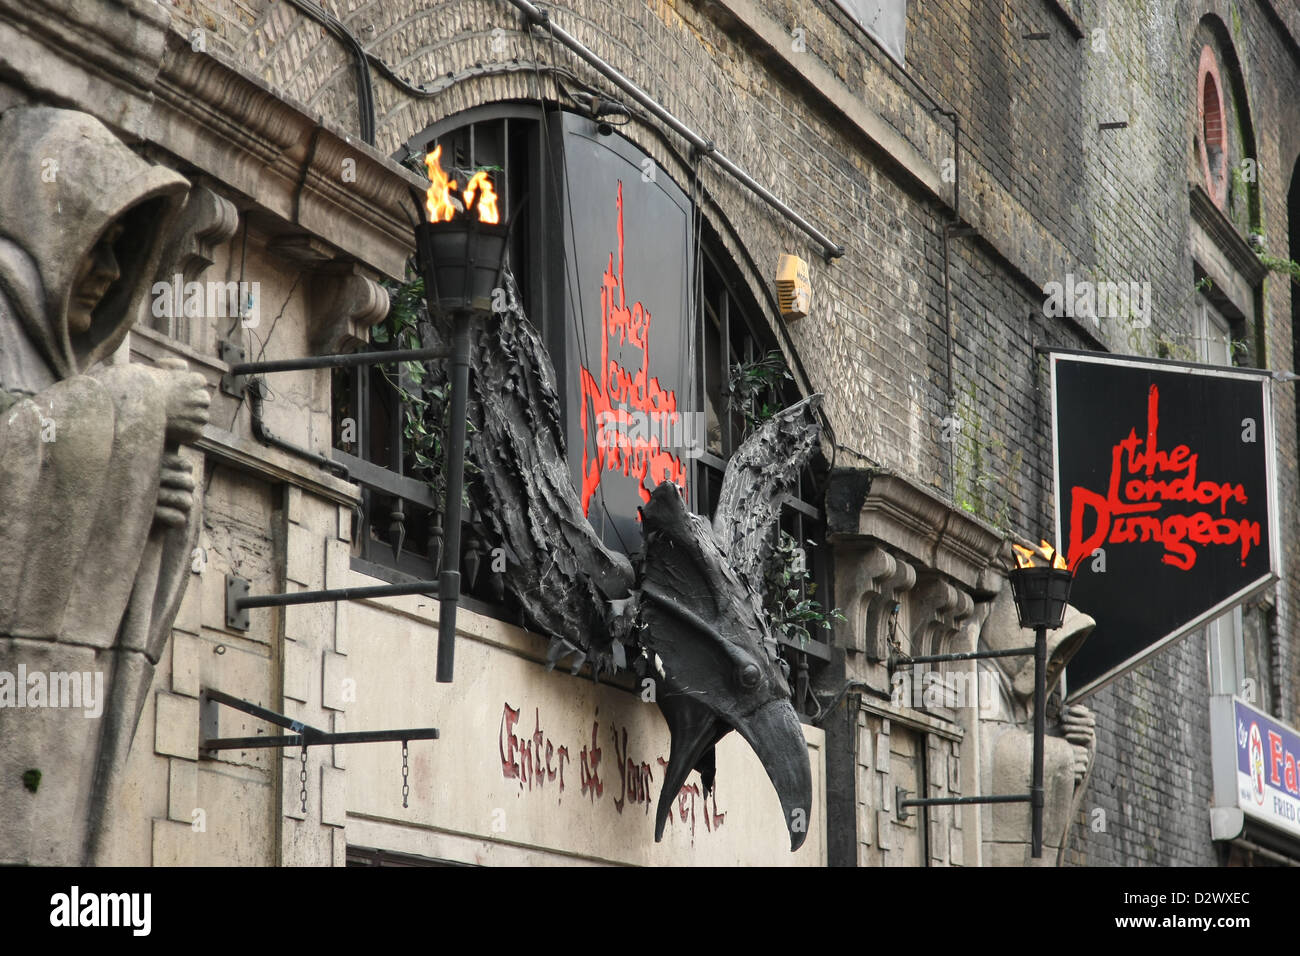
[1007,736]
[97,520]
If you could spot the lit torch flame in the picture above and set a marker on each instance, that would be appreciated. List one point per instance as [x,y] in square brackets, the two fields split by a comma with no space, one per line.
[1025,557]
[439,201]
[487,203]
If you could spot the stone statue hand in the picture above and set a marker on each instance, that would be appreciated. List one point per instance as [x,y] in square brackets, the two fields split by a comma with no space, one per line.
[1079,727]
[186,402]
[175,491]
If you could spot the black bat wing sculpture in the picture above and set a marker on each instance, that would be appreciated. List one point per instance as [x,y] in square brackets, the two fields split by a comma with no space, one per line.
[689,614]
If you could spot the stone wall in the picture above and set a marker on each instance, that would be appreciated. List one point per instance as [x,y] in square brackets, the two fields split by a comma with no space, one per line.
[797,96]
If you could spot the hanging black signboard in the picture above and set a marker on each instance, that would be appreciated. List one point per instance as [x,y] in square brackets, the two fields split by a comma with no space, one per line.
[1164,500]
[628,313]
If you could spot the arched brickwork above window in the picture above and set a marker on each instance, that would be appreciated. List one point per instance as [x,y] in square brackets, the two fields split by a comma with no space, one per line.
[1211,133]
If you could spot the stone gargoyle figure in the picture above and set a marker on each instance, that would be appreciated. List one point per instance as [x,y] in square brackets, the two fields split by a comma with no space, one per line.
[1007,737]
[97,517]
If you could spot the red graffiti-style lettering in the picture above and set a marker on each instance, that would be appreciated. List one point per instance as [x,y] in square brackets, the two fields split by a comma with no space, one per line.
[686,800]
[522,757]
[589,766]
[635,778]
[718,818]
[610,441]
[537,759]
[561,757]
[1136,513]
[507,743]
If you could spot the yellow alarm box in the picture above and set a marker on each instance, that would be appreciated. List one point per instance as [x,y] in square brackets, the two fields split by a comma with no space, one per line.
[793,288]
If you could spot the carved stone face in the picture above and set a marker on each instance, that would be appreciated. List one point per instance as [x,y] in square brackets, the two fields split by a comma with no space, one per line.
[95,276]
[75,280]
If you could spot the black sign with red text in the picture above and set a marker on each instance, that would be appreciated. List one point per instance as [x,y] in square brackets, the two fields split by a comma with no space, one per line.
[628,316]
[1164,505]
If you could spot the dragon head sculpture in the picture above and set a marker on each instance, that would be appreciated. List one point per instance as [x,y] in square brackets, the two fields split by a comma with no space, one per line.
[689,615]
[716,661]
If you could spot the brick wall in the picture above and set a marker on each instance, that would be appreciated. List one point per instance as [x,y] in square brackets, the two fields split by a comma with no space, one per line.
[795,94]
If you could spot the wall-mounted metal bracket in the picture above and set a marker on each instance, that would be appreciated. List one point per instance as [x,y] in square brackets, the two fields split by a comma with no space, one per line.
[236,614]
[902,660]
[1035,796]
[232,354]
[238,599]
[447,588]
[902,804]
[303,735]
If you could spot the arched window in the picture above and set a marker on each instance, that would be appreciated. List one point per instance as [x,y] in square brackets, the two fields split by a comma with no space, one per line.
[1212,131]
[709,343]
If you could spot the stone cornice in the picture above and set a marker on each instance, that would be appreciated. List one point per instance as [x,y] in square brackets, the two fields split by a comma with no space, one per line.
[1224,234]
[890,508]
[1067,18]
[131,69]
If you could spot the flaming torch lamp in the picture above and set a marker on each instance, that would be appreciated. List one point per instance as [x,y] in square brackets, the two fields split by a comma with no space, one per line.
[1041,592]
[461,250]
[460,247]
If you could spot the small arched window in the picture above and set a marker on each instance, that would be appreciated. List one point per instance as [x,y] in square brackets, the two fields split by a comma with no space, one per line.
[1212,132]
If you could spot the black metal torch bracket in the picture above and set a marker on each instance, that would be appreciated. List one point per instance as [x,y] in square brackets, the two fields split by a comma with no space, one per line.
[1041,595]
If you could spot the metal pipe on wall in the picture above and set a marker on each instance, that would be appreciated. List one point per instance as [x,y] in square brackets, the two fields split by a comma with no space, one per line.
[539,17]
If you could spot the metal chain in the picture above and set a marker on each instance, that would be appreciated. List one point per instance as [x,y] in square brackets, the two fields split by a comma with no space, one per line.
[406,787]
[302,776]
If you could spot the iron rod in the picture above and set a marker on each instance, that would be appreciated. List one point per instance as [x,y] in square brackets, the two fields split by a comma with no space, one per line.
[280,720]
[449,580]
[337,594]
[320,739]
[341,360]
[956,801]
[1040,733]
[969,656]
[539,17]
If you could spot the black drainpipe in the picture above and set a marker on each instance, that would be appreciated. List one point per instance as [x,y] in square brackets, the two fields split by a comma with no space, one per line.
[256,390]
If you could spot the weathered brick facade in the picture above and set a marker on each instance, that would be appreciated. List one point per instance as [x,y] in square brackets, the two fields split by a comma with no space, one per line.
[798,96]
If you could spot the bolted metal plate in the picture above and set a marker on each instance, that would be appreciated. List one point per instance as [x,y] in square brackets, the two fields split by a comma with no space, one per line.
[901,794]
[231,354]
[236,617]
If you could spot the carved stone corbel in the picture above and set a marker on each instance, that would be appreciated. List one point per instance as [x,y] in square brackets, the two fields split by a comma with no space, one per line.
[207,221]
[938,610]
[871,581]
[343,307]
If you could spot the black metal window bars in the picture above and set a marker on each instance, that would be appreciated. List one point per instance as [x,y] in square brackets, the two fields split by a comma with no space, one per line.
[447,588]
